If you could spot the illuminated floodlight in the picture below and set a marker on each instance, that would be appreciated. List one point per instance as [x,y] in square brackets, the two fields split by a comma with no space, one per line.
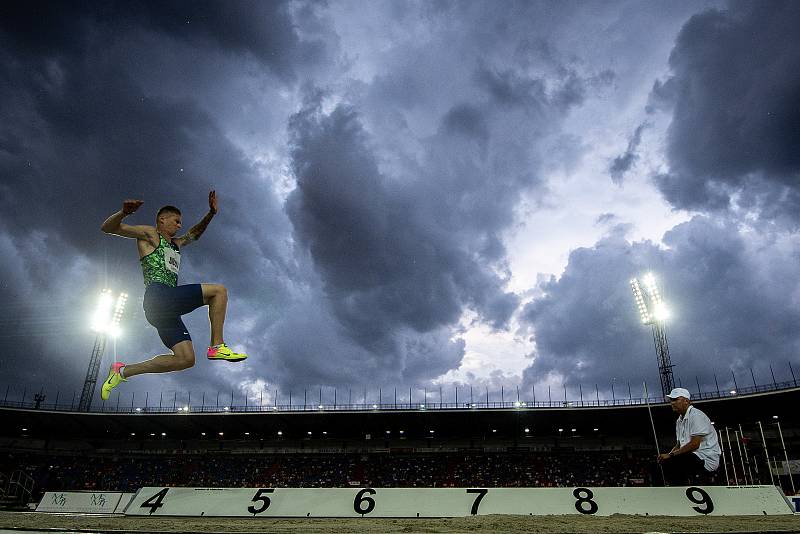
[527,430]
[119,309]
[108,314]
[102,314]
[640,303]
[659,310]
[654,313]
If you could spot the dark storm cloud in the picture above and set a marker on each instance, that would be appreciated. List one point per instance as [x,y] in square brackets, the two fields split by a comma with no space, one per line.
[386,260]
[116,100]
[537,95]
[735,125]
[404,190]
[623,163]
[409,169]
[263,29]
[729,290]
[466,120]
[83,128]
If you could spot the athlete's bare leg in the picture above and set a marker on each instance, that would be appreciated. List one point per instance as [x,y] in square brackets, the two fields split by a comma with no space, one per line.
[183,358]
[216,296]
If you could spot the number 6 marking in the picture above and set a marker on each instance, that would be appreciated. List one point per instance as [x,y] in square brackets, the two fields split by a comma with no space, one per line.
[360,499]
[705,498]
[481,494]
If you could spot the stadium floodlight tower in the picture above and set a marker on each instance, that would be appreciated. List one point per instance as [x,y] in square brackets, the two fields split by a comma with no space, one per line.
[653,312]
[105,322]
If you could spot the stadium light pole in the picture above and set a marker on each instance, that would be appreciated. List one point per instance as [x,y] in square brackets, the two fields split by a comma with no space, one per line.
[653,312]
[105,322]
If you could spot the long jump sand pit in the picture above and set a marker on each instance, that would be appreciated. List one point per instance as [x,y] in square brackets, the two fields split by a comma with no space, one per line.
[492,523]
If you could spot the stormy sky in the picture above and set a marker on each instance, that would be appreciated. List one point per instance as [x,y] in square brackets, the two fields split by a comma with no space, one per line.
[412,194]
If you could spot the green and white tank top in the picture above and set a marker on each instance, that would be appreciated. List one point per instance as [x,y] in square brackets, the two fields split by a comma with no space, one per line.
[162,264]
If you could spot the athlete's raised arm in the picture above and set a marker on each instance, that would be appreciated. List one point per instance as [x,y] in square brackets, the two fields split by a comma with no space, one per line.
[197,230]
[114,225]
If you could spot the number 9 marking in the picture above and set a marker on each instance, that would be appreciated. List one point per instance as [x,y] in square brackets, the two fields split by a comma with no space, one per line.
[704,499]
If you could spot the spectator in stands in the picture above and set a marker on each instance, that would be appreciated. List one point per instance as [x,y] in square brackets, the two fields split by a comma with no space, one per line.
[695,456]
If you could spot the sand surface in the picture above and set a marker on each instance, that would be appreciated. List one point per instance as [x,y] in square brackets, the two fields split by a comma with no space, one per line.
[492,523]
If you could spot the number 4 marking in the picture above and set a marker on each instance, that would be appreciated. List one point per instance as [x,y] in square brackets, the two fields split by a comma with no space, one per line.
[156,501]
[477,502]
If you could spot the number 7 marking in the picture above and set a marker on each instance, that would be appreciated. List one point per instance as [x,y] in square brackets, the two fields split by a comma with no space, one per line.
[481,494]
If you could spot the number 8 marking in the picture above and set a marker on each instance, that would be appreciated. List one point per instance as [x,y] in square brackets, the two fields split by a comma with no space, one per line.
[586,499]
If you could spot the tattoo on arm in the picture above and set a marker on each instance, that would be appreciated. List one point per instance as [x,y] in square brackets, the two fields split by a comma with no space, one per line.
[197,230]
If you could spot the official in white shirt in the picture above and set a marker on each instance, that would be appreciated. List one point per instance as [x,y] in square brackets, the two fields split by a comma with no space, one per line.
[695,456]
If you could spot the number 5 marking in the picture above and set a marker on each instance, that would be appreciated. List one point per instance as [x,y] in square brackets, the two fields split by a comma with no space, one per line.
[265,502]
[477,502]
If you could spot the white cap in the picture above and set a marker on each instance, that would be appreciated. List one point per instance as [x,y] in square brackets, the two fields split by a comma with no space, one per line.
[679,392]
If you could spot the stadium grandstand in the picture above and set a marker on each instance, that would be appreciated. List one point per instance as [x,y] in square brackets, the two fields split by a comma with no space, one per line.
[519,443]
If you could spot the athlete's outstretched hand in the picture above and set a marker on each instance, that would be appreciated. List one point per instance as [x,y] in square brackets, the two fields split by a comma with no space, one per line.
[129,206]
[212,201]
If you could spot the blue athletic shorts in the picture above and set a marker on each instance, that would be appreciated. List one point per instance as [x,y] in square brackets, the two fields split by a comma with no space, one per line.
[164,305]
